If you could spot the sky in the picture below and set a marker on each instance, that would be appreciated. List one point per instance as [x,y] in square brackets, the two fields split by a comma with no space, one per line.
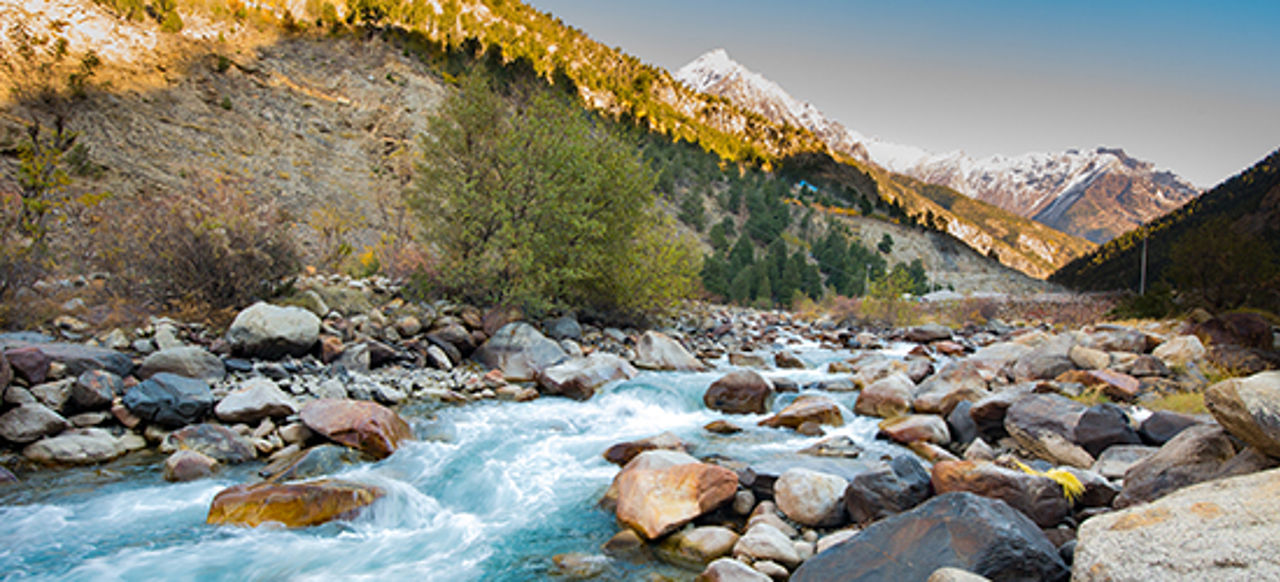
[1191,86]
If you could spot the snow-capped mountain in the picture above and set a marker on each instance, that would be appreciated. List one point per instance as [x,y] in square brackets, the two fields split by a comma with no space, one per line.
[1095,194]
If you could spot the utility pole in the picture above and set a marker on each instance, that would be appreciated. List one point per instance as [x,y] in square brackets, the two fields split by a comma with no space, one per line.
[1142,281]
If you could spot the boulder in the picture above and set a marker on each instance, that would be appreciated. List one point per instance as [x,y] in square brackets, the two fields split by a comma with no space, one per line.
[1045,361]
[188,361]
[989,413]
[254,400]
[655,502]
[916,427]
[788,360]
[694,548]
[810,498]
[520,351]
[730,570]
[1193,456]
[188,465]
[959,530]
[1045,424]
[272,332]
[1117,338]
[1249,408]
[927,333]
[81,446]
[1039,497]
[170,400]
[55,394]
[1225,529]
[1098,490]
[78,358]
[1180,350]
[564,327]
[316,461]
[1103,425]
[647,460]
[366,426]
[955,575]
[807,408]
[292,505]
[29,363]
[960,423]
[218,442]
[1116,460]
[1249,330]
[887,397]
[887,489]
[1163,425]
[748,360]
[31,422]
[1146,366]
[657,351]
[956,381]
[580,377]
[96,389]
[764,542]
[1116,385]
[6,372]
[740,392]
[622,453]
[870,368]
[1087,358]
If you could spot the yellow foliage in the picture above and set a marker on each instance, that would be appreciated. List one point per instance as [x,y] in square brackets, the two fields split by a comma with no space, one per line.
[1072,489]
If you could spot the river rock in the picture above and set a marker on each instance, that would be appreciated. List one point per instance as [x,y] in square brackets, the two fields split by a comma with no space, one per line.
[988,414]
[292,505]
[1163,425]
[1098,490]
[1249,408]
[580,377]
[272,332]
[1104,425]
[366,426]
[1115,338]
[1225,529]
[655,502]
[29,363]
[188,465]
[648,460]
[1116,460]
[312,462]
[1039,497]
[740,392]
[622,453]
[955,575]
[748,360]
[960,530]
[657,351]
[1044,424]
[810,497]
[1245,329]
[927,333]
[787,360]
[520,351]
[95,389]
[1180,350]
[1045,361]
[887,397]
[217,441]
[564,327]
[188,361]
[80,446]
[956,381]
[30,422]
[54,394]
[6,372]
[1087,358]
[730,570]
[170,400]
[916,427]
[764,542]
[887,489]
[814,408]
[696,547]
[963,429]
[869,368]
[254,400]
[1193,456]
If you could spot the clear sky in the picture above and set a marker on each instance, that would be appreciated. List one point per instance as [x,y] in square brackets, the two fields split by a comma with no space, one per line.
[1193,86]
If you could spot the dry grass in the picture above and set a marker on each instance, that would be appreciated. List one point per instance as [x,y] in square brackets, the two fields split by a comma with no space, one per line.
[1183,402]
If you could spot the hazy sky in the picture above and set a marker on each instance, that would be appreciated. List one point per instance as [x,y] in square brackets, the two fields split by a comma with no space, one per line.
[1193,86]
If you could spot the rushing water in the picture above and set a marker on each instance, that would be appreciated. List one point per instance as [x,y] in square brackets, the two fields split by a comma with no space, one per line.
[491,493]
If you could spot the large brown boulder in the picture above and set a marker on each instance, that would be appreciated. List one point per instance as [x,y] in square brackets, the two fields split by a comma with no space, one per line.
[1045,424]
[814,408]
[1039,497]
[293,505]
[366,426]
[1195,455]
[916,428]
[740,392]
[887,397]
[655,502]
[1249,408]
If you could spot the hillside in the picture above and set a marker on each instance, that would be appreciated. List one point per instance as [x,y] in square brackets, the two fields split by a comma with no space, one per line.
[1223,246]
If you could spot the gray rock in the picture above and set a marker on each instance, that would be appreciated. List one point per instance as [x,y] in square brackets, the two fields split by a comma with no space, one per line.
[170,400]
[55,395]
[81,446]
[1045,424]
[188,465]
[96,389]
[955,575]
[1193,456]
[565,327]
[214,440]
[1249,408]
[1115,461]
[730,570]
[579,378]
[657,351]
[811,498]
[188,361]
[79,359]
[887,489]
[316,461]
[927,333]
[30,422]
[1220,530]
[1163,425]
[955,382]
[272,332]
[255,399]
[1102,426]
[765,542]
[1045,361]
[520,351]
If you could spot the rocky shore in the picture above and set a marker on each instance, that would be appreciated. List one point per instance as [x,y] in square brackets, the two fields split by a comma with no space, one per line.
[1027,452]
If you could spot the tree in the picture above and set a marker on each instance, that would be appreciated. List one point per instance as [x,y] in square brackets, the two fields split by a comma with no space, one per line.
[885,246]
[1221,267]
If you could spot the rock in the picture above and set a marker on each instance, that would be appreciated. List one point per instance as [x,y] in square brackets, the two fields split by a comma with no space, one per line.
[1116,385]
[656,351]
[1226,529]
[764,542]
[788,360]
[655,502]
[743,502]
[722,427]
[272,332]
[1039,497]
[1180,351]
[927,333]
[836,446]
[6,372]
[1098,490]
[772,569]
[499,317]
[331,348]
[622,453]
[832,539]
[366,426]
[868,369]
[1147,366]
[956,381]
[1163,425]
[887,489]
[1087,358]
[959,530]
[747,360]
[565,327]
[29,363]
[292,505]
[887,397]
[30,422]
[814,408]
[1044,424]
[955,575]
[408,326]
[1115,338]
[88,419]
[960,423]
[979,450]
[579,378]
[217,441]
[188,465]
[96,389]
[918,369]
[170,400]
[1045,361]
[740,392]
[1102,426]
[81,446]
[54,395]
[188,361]
[316,461]
[1116,460]
[989,413]
[579,566]
[1245,329]
[916,427]
[1249,409]
[694,548]
[520,351]
[1193,456]
[730,570]
[627,545]
[254,400]
[810,498]
[438,359]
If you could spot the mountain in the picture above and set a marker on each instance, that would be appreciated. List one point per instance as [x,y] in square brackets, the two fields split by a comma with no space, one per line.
[1095,194]
[1222,248]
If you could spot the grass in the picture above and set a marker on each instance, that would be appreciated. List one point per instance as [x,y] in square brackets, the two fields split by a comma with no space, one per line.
[1183,402]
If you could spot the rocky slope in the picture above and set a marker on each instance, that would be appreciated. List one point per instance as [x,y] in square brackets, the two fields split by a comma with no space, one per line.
[1095,194]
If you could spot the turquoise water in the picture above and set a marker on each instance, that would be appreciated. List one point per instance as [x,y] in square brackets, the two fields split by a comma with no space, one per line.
[510,485]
